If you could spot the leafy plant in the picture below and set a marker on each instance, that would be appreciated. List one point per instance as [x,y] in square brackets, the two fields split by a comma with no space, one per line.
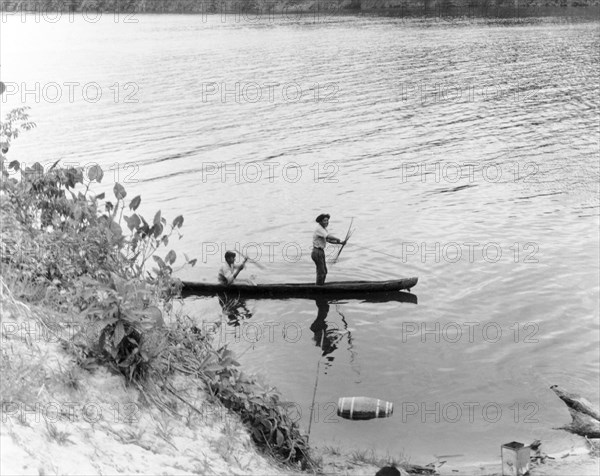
[16,120]
[72,243]
[261,410]
[92,256]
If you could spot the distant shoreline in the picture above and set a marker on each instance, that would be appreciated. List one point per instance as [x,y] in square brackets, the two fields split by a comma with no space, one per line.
[294,9]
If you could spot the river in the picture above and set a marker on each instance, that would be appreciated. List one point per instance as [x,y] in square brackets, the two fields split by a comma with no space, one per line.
[466,152]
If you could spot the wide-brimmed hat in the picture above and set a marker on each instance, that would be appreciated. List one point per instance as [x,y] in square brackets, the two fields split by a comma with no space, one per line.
[321,217]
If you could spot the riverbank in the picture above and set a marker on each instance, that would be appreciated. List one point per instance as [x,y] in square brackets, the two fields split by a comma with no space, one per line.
[51,405]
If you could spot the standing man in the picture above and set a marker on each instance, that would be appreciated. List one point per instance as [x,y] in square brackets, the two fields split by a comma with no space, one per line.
[320,239]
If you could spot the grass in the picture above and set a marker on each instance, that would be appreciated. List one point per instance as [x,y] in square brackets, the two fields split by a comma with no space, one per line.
[132,436]
[370,457]
[54,434]
[23,377]
[164,430]
[594,445]
[332,450]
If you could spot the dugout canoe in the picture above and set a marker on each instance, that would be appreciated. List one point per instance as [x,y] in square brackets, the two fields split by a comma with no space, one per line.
[348,289]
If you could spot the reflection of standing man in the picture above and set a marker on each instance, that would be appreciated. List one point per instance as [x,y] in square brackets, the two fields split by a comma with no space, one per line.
[320,239]
[324,338]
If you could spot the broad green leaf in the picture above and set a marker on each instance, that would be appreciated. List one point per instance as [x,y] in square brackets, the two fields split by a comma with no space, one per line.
[135,203]
[157,218]
[115,228]
[178,222]
[119,333]
[134,221]
[95,173]
[158,229]
[160,262]
[119,191]
[171,257]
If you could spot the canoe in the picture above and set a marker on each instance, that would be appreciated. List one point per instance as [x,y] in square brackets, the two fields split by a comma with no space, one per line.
[347,289]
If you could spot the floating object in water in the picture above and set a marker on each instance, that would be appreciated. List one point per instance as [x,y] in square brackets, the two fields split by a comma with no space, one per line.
[515,459]
[364,408]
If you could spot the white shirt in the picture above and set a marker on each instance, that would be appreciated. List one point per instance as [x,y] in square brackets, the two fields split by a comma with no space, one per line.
[226,274]
[320,237]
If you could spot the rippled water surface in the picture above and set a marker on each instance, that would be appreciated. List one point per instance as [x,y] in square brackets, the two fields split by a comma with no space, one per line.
[467,154]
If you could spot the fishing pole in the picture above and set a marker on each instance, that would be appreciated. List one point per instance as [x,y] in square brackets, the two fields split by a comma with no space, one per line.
[348,235]
[312,406]
[255,263]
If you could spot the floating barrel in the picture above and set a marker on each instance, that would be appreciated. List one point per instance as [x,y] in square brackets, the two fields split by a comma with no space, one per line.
[364,408]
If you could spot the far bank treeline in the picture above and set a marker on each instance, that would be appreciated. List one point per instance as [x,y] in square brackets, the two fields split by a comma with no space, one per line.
[409,7]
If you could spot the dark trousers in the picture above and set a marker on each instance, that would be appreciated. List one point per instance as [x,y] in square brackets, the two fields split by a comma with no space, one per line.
[318,256]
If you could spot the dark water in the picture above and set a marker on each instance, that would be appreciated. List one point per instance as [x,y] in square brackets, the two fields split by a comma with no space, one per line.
[467,153]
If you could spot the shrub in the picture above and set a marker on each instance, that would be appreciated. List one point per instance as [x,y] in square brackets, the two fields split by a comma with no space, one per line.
[92,259]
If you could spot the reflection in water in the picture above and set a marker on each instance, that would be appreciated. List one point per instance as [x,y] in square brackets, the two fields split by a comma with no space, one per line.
[235,308]
[327,335]
[323,337]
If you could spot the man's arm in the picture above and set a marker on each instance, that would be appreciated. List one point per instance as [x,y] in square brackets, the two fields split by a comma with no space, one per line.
[336,241]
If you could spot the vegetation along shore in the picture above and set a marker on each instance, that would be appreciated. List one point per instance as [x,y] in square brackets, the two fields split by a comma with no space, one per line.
[330,7]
